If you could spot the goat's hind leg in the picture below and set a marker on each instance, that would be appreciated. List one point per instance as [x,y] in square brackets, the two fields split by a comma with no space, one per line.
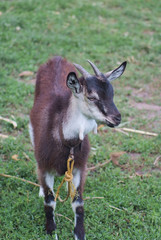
[46,189]
[77,206]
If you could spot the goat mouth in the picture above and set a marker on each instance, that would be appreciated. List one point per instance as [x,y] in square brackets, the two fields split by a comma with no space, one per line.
[110,124]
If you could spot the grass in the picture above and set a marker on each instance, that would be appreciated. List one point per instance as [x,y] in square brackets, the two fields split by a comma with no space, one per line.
[106,32]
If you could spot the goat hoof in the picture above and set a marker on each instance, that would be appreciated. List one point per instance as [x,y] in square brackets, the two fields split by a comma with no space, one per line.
[50,227]
[79,234]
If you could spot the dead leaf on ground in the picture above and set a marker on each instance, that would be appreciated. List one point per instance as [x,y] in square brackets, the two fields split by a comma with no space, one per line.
[115,156]
[15,157]
[139,173]
[26,74]
[142,174]
[0,13]
[32,81]
[148,32]
[26,156]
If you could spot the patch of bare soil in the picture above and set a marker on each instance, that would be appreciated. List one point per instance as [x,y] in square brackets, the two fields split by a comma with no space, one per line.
[27,77]
[134,156]
[148,32]
[148,111]
[138,165]
[28,81]
[145,106]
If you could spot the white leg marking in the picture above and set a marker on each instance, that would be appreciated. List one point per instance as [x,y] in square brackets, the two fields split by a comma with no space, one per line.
[51,204]
[75,237]
[56,236]
[41,192]
[74,206]
[76,182]
[75,220]
[76,177]
[77,204]
[31,132]
[49,178]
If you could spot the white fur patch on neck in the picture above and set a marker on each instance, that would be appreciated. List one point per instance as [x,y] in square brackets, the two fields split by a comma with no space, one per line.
[76,123]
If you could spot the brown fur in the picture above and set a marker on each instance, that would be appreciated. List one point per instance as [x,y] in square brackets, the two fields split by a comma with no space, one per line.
[50,105]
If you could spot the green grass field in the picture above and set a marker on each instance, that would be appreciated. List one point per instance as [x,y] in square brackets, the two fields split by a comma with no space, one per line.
[107,32]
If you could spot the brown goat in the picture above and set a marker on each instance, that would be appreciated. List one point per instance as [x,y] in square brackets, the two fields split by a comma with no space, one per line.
[65,109]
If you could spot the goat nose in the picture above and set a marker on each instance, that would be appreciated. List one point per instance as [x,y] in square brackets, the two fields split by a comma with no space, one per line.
[118,118]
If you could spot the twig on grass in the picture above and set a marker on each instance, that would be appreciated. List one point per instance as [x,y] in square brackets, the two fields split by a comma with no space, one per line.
[157,160]
[115,208]
[6,136]
[139,131]
[26,156]
[121,131]
[9,120]
[98,165]
[21,179]
[89,198]
[3,136]
[60,215]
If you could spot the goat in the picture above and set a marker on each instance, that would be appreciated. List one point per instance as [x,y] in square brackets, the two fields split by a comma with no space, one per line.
[66,108]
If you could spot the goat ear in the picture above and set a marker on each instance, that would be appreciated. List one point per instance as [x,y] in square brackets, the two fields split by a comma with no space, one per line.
[116,73]
[73,83]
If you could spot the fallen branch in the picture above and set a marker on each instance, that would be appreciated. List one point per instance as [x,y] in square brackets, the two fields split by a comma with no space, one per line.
[115,208]
[6,136]
[157,160]
[21,179]
[3,136]
[26,156]
[60,215]
[88,198]
[10,121]
[98,165]
[26,74]
[121,131]
[139,131]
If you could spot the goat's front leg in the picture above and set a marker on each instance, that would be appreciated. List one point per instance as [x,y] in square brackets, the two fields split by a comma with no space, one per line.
[77,206]
[47,182]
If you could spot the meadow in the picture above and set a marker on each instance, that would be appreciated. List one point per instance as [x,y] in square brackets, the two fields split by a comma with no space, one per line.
[123,197]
